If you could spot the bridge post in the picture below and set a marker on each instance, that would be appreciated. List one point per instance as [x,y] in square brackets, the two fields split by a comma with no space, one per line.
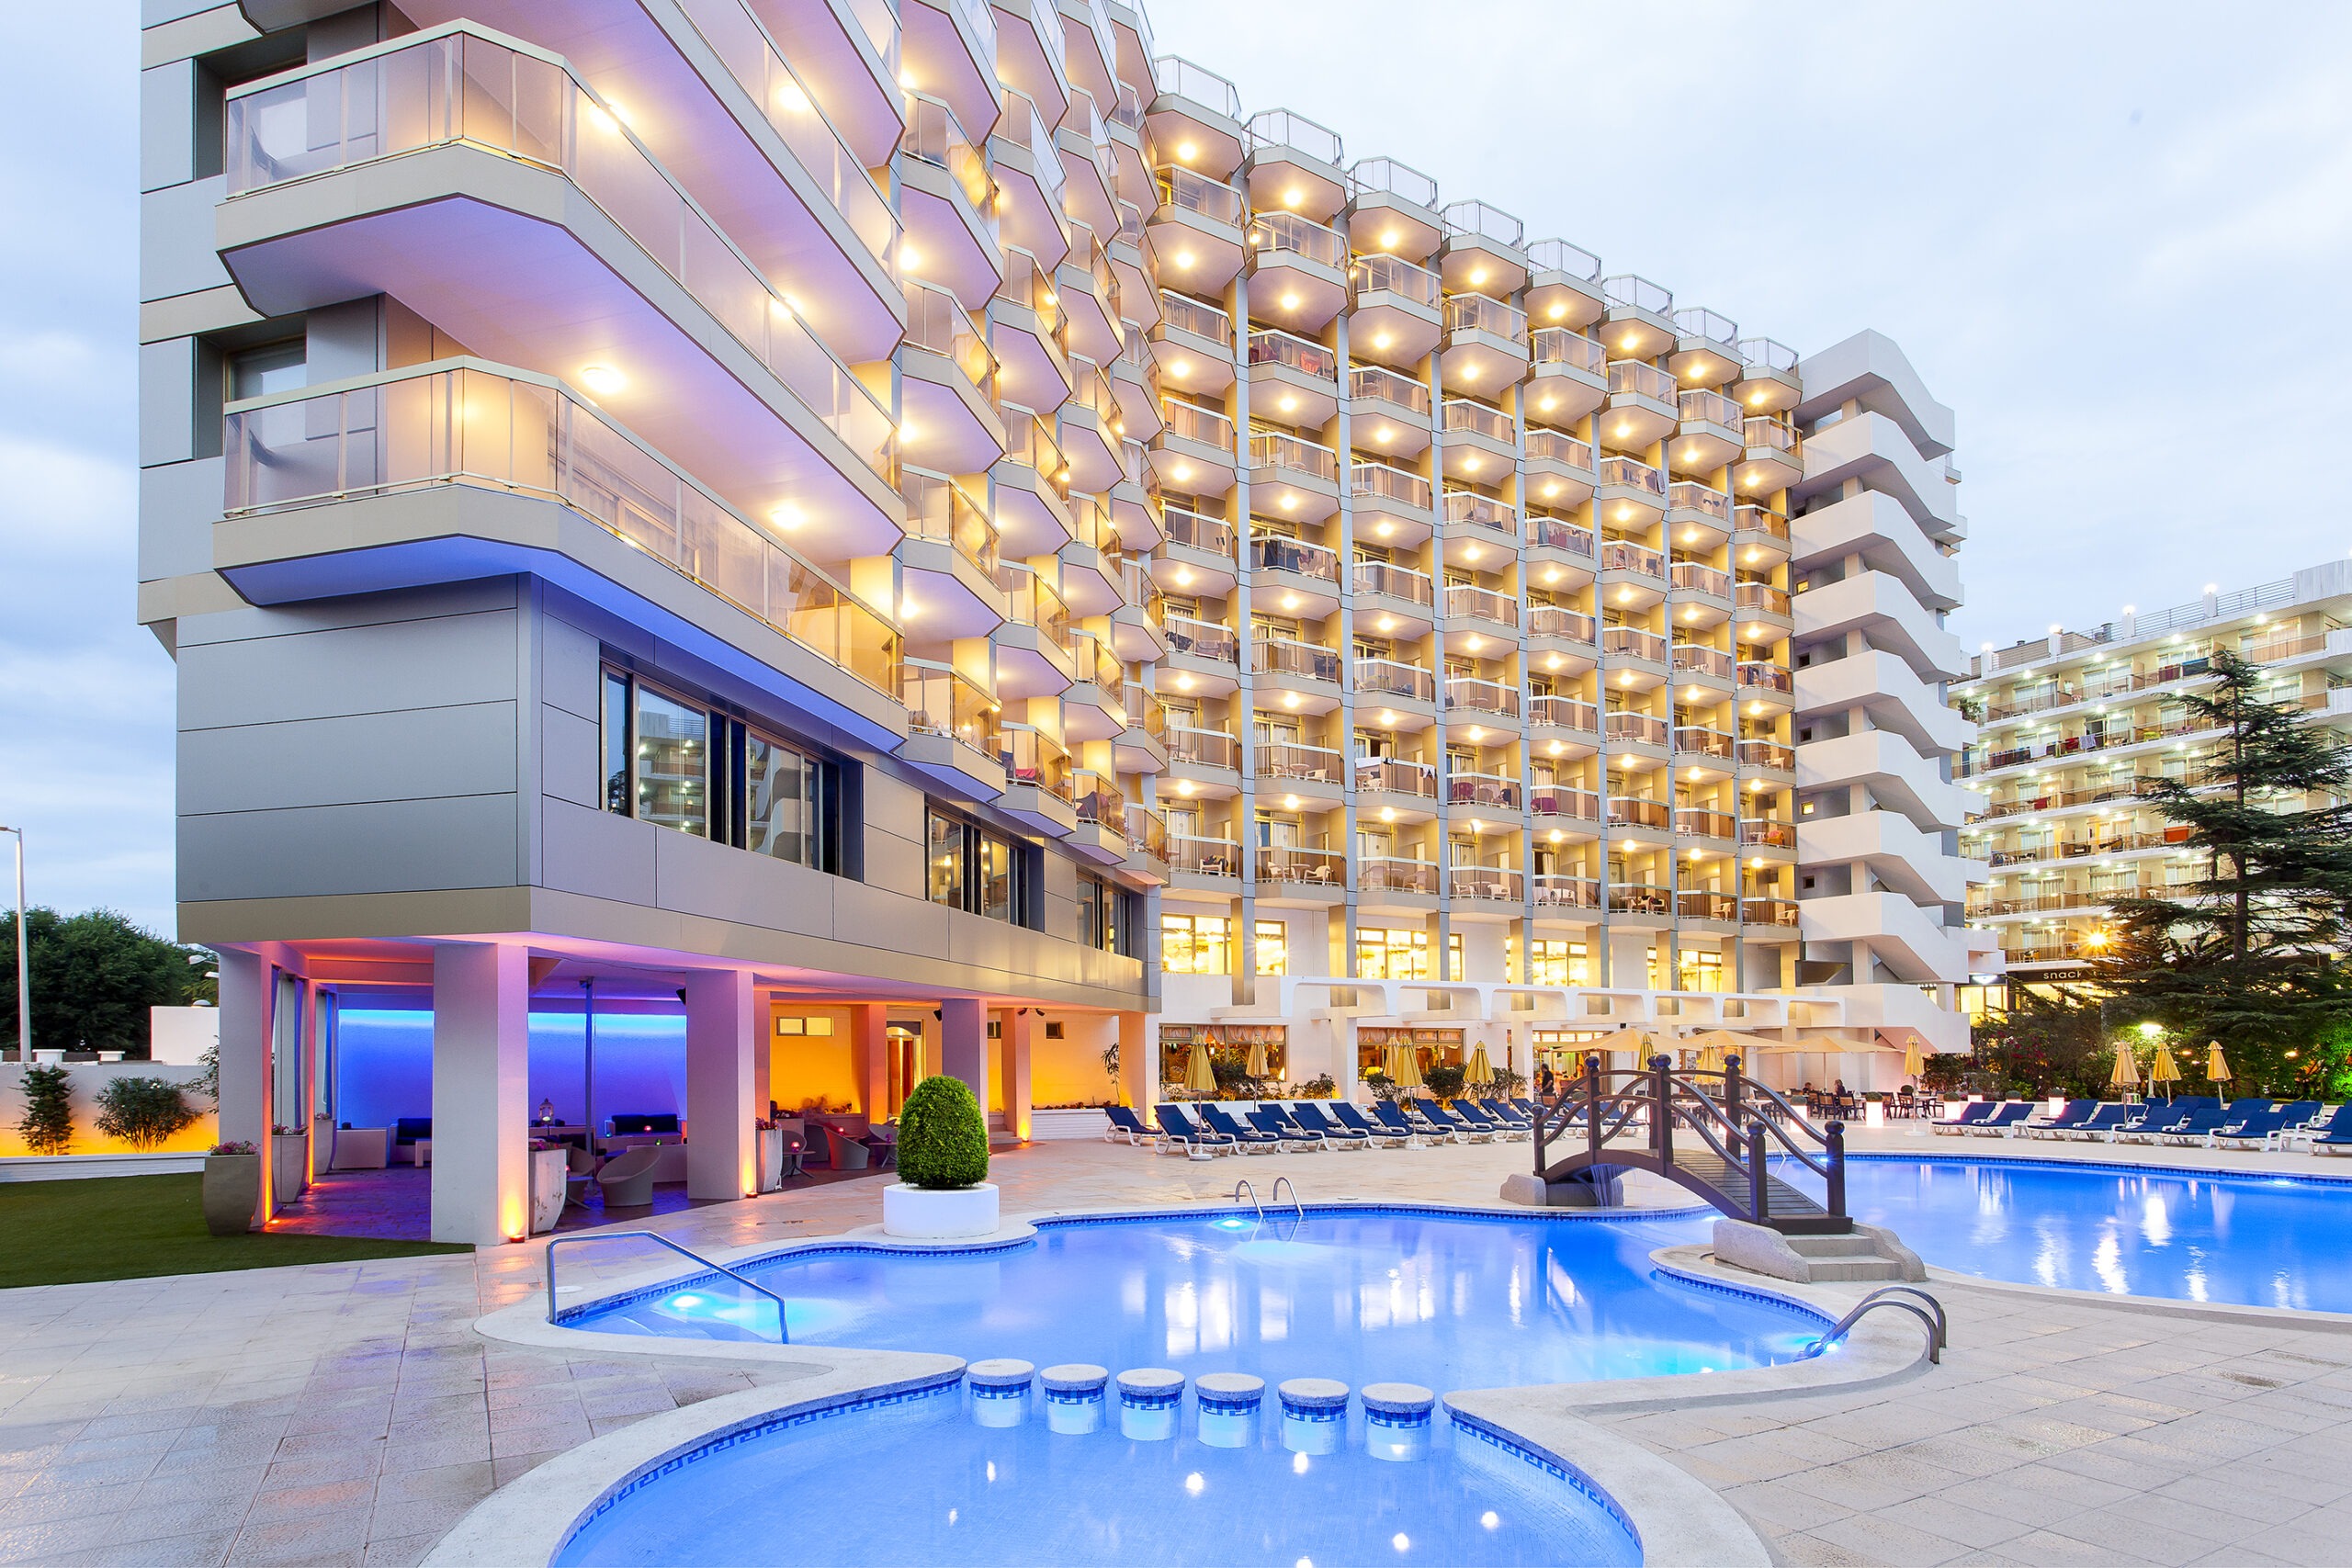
[1834,1137]
[1592,1103]
[1759,1201]
[1662,1109]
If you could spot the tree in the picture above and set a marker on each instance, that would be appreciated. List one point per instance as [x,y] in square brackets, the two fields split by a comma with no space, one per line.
[95,975]
[2053,1042]
[2250,954]
[47,1126]
[143,1112]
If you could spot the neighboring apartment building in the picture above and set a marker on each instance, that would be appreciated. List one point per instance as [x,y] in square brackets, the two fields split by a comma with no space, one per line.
[809,513]
[2073,723]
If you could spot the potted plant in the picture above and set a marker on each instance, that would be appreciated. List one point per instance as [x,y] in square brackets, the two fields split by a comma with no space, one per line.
[231,1188]
[943,1189]
[550,1173]
[289,1161]
[47,1126]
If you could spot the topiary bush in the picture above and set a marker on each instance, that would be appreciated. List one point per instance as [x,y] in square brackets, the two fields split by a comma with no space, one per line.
[146,1113]
[47,1126]
[943,1137]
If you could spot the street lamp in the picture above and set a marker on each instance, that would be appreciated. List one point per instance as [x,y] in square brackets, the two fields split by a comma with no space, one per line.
[24,962]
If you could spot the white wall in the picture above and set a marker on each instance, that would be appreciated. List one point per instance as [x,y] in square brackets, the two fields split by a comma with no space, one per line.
[181,1036]
[83,1082]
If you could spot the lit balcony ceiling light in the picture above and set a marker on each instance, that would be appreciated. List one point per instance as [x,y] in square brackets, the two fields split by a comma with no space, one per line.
[1183,258]
[1187,150]
[1624,515]
[1471,463]
[787,516]
[1547,403]
[1559,310]
[1290,803]
[1558,835]
[909,256]
[1755,400]
[1388,718]
[1624,429]
[1553,662]
[1691,614]
[1389,623]
[1385,433]
[1388,238]
[1292,197]
[1477,826]
[1630,341]
[1551,490]
[1551,574]
[908,609]
[1755,556]
[1290,504]
[602,379]
[1385,529]
[1387,814]
[1183,786]
[1625,678]
[1289,401]
[1477,732]
[1382,339]
[1470,552]
[1180,368]
[1290,601]
[1474,642]
[1690,535]
[1557,748]
[1624,595]
[1694,773]
[1290,699]
[1183,683]
[1183,577]
[905,430]
[1290,301]
[1183,472]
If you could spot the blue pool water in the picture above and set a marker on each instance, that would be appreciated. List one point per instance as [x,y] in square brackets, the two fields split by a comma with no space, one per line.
[919,1482]
[1451,1302]
[2243,1240]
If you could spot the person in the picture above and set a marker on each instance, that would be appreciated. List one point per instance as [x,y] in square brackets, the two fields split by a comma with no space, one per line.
[1544,1081]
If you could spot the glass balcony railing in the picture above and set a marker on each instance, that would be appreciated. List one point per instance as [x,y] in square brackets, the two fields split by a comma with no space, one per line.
[1692,578]
[1558,345]
[1684,495]
[1196,193]
[1765,677]
[1197,856]
[1632,642]
[1295,760]
[1130,230]
[1481,604]
[1481,419]
[1563,713]
[1767,754]
[1562,800]
[1709,408]
[1144,710]
[1552,620]
[1393,274]
[940,702]
[937,324]
[1269,345]
[452,88]
[1202,747]
[1492,791]
[1271,449]
[1698,321]
[1552,446]
[1706,906]
[1641,728]
[1769,912]
[1033,757]
[1629,811]
[1395,874]
[1193,423]
[1201,639]
[1558,255]
[1288,862]
[1640,898]
[1762,833]
[1281,127]
[1760,520]
[934,136]
[1628,288]
[1395,678]
[1472,694]
[1495,884]
[1140,592]
[1762,598]
[1286,233]
[1147,832]
[1036,602]
[1390,775]
[1025,285]
[1275,553]
[1557,892]
[937,508]
[1463,506]
[1634,474]
[1099,799]
[1288,655]
[1098,667]
[1029,444]
[1551,534]
[1632,377]
[1385,481]
[1475,313]
[1370,383]
[1397,179]
[513,431]
[1477,219]
[1695,659]
[1394,582]
[1691,741]
[1025,128]
[1211,536]
[1771,432]
[1197,317]
[1770,355]
[1179,77]
[1624,555]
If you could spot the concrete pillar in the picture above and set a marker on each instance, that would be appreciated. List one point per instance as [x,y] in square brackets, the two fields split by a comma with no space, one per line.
[963,1044]
[762,1055]
[244,1058]
[1016,1039]
[1139,1064]
[869,1058]
[721,1153]
[481,1082]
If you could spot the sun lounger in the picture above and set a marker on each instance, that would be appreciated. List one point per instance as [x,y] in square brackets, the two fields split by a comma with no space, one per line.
[2200,1124]
[1502,1111]
[1248,1140]
[1126,1123]
[1973,1112]
[1334,1135]
[1375,1131]
[2252,1123]
[2294,1120]
[2110,1115]
[1461,1126]
[1293,1138]
[2159,1117]
[1177,1130]
[1470,1111]
[2004,1122]
[2073,1114]
[1393,1117]
[2332,1138]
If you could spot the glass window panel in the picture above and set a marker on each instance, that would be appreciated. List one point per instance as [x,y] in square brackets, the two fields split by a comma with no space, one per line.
[616,791]
[272,367]
[1195,944]
[946,862]
[673,763]
[780,788]
[1274,947]
[996,878]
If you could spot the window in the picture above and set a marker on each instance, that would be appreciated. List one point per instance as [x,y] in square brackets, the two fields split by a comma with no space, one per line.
[1104,916]
[977,871]
[1195,944]
[1392,955]
[1557,963]
[1272,942]
[680,765]
[1701,970]
[272,367]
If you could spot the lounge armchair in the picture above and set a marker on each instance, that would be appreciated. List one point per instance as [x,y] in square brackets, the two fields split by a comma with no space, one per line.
[1374,1130]
[1461,1126]
[1294,1136]
[1126,1123]
[1392,1116]
[1177,1128]
[1469,1110]
[1973,1112]
[2003,1122]
[407,1133]
[1334,1136]
[2071,1114]
[2110,1115]
[628,1178]
[579,1170]
[1248,1140]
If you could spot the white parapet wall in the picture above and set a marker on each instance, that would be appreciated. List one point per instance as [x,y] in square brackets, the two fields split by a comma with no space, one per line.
[92,1154]
[180,1036]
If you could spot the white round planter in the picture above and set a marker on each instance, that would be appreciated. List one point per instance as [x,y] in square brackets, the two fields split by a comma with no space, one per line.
[929,1213]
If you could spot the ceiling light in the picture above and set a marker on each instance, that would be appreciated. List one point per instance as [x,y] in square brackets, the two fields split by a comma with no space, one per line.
[1624,595]
[1477,732]
[1552,489]
[1388,238]
[602,379]
[1382,339]
[1187,150]
[909,256]
[1384,432]
[1387,814]
[1183,258]
[787,516]
[1290,601]
[1289,401]
[1292,197]
[1183,786]
[1624,431]
[1290,504]
[1553,663]
[1630,341]
[1474,642]
[1558,311]
[1183,683]
[1478,276]
[1384,528]
[1470,371]
[1180,368]
[1183,472]
[1389,623]
[1551,574]
[1547,403]
[1290,699]
[1290,803]
[1183,577]
[1290,301]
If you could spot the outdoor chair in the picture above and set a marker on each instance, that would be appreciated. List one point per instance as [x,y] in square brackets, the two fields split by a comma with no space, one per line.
[1470,1111]
[2071,1114]
[1378,1132]
[1503,1112]
[579,1170]
[1393,1117]
[1293,1136]
[2110,1115]
[1126,1123]
[2335,1138]
[2253,1123]
[627,1179]
[1178,1129]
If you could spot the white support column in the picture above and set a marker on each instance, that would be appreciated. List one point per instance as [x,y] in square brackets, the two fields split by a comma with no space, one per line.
[482,998]
[721,1013]
[1137,1069]
[1014,1049]
[763,1055]
[244,1058]
[963,1044]
[869,1058]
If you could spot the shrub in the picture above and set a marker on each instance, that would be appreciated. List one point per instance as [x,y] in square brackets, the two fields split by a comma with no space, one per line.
[943,1137]
[1321,1087]
[47,1126]
[1444,1079]
[143,1112]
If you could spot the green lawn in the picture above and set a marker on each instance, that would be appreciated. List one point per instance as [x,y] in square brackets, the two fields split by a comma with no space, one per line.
[129,1227]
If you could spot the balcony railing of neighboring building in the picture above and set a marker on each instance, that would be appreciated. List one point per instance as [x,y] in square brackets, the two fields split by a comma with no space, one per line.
[1475,313]
[1568,625]
[1767,754]
[1199,856]
[1202,747]
[1559,345]
[1765,677]
[1633,377]
[1696,659]
[1289,656]
[1563,713]
[1194,531]
[1692,740]
[940,702]
[1700,823]
[1469,601]
[513,432]
[1640,898]
[1391,775]
[1468,693]
[1189,191]
[1551,533]
[1033,757]
[1496,792]
[1273,552]
[1393,274]
[1561,800]
[1147,831]
[1201,639]
[1463,507]
[1198,317]
[1706,906]
[1385,481]
[1558,892]
[1781,912]
[1394,582]
[1762,598]
[1495,884]
[1395,678]
[1287,233]
[1320,868]
[1395,874]
[1271,346]
[1545,444]
[1624,555]
[1632,642]
[1624,811]
[1762,833]
[1641,728]
[1294,760]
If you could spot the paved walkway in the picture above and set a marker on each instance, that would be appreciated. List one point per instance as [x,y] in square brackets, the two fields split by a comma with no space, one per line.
[347,1413]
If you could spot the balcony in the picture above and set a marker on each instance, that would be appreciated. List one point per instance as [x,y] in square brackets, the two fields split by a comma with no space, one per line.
[1639,324]
[1752,523]
[1302,478]
[1624,555]
[1570,375]
[1781,913]
[1491,792]
[1639,728]
[1194,346]
[1299,762]
[1763,833]
[1768,381]
[1566,625]
[1294,377]
[1706,347]
[1697,659]
[1102,806]
[1762,599]
[950,558]
[1028,168]
[1398,314]
[1466,602]
[1189,855]
[1197,531]
[1094,708]
[1036,653]
[1469,694]
[1143,745]
[1563,802]
[1298,269]
[948,198]
[1390,413]
[1641,409]
[1393,677]
[1468,510]
[1392,581]
[1392,874]
[1632,493]
[1204,640]
[1195,232]
[1556,892]
[1040,791]
[1758,677]
[1485,344]
[1770,755]
[1632,642]
[1640,898]
[1708,434]
[1285,656]
[1696,822]
[1568,538]
[1689,577]
[1290,871]
[951,728]
[1560,468]
[1393,505]
[1774,459]
[1563,712]
[1695,740]
[1393,209]
[1193,747]
[1195,453]
[1720,908]
[1147,834]
[1490,884]
[1697,513]
[1389,775]
[1028,335]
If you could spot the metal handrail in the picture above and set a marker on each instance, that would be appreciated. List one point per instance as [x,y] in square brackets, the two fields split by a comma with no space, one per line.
[1932,1315]
[1243,1186]
[1281,1182]
[783,1336]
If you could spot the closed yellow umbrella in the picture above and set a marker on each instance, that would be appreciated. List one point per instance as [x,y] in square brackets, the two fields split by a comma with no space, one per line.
[2217,1066]
[1481,1072]
[1409,1067]
[1201,1075]
[1914,1064]
[2127,1067]
[2163,1070]
[1388,1062]
[1257,1065]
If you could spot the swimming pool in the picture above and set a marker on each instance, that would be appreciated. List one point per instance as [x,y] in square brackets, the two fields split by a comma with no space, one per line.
[2238,1239]
[1447,1299]
[917,1480]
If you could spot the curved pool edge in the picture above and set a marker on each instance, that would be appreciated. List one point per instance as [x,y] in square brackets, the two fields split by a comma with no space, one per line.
[2243,1314]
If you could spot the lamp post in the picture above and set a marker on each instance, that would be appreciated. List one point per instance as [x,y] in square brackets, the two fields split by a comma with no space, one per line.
[24,958]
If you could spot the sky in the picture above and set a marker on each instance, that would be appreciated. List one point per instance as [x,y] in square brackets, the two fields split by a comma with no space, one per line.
[2114,238]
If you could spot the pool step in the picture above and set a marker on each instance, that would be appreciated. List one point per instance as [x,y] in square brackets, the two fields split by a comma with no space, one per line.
[1870,1253]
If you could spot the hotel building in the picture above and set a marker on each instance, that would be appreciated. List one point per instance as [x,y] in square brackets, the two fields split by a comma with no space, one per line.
[2073,727]
[826,535]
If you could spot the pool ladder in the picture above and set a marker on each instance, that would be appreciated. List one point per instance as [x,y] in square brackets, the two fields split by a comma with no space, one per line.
[1932,1315]
[1243,1186]
[782,1337]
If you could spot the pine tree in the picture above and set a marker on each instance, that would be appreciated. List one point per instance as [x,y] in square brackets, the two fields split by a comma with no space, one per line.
[47,1126]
